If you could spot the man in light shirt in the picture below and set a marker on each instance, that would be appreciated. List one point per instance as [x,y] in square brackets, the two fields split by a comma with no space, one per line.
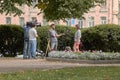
[77,37]
[53,37]
[32,41]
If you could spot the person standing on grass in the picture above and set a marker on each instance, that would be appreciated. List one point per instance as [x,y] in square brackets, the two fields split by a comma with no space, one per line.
[26,40]
[32,41]
[77,38]
[53,37]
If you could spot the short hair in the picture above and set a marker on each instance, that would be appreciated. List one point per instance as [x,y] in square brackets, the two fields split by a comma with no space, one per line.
[30,24]
[77,26]
[33,24]
[52,25]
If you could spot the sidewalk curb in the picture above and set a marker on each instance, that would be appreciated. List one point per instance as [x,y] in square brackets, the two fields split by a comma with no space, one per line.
[84,61]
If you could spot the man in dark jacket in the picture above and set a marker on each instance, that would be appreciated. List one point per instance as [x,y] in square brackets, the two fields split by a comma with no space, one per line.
[26,39]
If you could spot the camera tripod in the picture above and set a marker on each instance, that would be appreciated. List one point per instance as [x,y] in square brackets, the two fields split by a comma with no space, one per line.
[48,47]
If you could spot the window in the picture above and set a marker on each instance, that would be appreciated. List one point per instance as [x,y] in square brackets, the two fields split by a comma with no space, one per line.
[119,7]
[72,21]
[80,23]
[68,22]
[119,21]
[34,19]
[103,20]
[8,20]
[34,2]
[21,21]
[104,3]
[22,6]
[91,21]
[45,22]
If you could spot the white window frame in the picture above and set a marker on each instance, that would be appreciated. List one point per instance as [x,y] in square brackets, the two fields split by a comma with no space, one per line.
[8,20]
[104,4]
[118,21]
[103,20]
[90,21]
[45,22]
[34,19]
[81,23]
[21,21]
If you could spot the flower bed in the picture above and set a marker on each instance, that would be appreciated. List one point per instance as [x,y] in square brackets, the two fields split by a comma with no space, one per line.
[63,54]
[85,55]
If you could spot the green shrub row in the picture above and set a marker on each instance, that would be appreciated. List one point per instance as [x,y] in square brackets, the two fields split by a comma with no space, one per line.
[63,41]
[11,39]
[101,37]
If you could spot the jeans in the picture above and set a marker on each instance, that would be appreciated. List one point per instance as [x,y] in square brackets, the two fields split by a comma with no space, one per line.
[25,49]
[32,49]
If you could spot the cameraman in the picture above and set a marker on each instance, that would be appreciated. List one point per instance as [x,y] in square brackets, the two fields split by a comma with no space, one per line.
[26,39]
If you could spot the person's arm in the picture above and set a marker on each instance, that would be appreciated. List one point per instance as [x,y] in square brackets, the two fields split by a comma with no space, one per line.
[55,34]
[36,35]
[60,34]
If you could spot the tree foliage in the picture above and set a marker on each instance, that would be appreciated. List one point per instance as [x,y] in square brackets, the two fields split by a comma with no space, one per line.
[52,9]
[61,9]
[12,6]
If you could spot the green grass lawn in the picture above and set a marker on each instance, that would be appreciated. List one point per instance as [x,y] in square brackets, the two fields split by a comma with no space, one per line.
[79,73]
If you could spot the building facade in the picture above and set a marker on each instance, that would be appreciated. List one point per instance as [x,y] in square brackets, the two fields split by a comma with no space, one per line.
[106,13]
[30,14]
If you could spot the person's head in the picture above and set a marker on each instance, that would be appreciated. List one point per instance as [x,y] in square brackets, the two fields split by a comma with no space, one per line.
[30,24]
[77,26]
[33,25]
[52,26]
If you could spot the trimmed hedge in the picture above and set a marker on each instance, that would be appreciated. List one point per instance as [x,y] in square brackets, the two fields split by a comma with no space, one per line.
[11,39]
[102,37]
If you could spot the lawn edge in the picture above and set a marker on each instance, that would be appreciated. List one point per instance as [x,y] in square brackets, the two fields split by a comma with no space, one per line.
[84,61]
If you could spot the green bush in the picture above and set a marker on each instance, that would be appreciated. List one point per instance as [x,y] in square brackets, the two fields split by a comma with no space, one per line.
[63,41]
[102,37]
[11,39]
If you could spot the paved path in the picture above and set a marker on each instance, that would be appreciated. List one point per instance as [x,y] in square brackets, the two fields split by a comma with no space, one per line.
[13,65]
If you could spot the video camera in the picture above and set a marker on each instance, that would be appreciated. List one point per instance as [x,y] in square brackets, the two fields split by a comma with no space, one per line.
[31,24]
